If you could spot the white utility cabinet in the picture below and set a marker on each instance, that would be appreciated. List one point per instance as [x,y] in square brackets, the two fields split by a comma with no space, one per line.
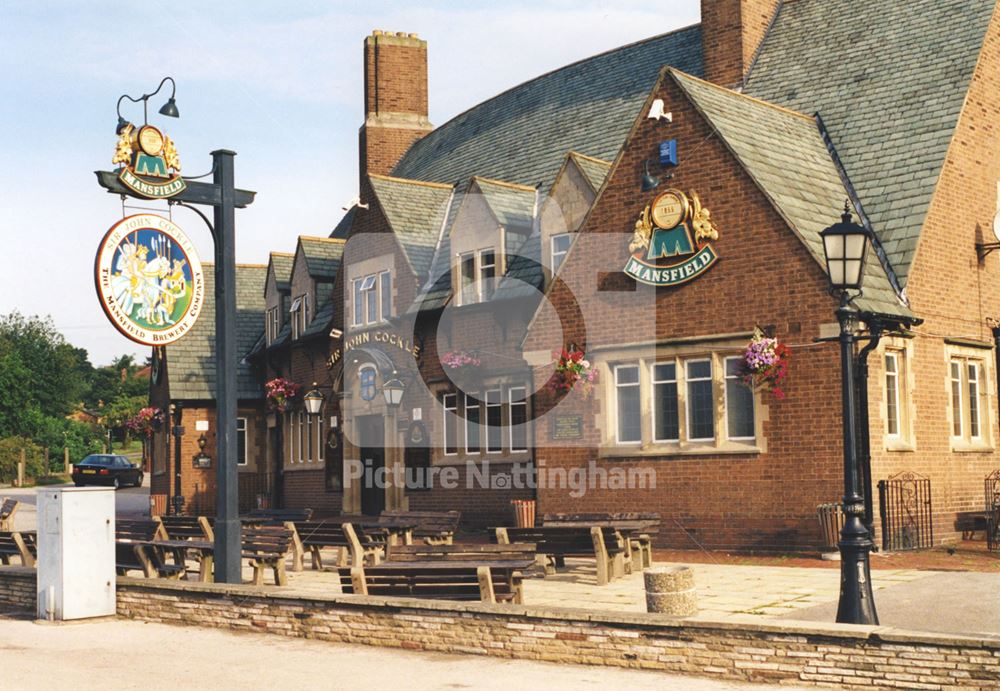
[76,552]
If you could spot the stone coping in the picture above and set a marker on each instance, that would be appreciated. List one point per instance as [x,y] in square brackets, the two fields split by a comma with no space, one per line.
[643,621]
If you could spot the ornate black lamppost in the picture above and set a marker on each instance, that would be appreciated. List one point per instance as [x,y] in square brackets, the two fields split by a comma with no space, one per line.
[845,245]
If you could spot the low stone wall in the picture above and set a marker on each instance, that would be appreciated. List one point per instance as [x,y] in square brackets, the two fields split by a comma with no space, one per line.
[789,651]
[847,656]
[17,588]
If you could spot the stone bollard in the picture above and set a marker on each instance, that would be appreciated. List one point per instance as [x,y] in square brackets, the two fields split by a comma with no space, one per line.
[670,590]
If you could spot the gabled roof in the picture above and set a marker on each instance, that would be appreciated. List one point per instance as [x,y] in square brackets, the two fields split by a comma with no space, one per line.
[784,153]
[523,134]
[322,322]
[416,211]
[343,228]
[595,170]
[323,257]
[281,264]
[191,360]
[889,79]
[512,205]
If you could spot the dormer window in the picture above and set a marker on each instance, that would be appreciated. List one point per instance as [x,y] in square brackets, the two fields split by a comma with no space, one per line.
[300,315]
[477,276]
[372,298]
[272,325]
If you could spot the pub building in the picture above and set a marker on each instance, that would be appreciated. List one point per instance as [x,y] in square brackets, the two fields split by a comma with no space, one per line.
[656,208]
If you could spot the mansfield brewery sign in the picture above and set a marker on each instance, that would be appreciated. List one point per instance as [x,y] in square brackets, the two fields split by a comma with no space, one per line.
[149,163]
[671,243]
[149,279]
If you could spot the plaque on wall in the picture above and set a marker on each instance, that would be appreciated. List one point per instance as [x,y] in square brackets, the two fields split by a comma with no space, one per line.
[567,426]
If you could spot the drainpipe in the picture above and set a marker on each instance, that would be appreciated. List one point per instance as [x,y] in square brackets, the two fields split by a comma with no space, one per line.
[996,354]
[178,431]
[864,437]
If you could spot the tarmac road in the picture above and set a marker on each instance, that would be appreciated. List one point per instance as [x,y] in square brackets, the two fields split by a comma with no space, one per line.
[129,501]
[121,654]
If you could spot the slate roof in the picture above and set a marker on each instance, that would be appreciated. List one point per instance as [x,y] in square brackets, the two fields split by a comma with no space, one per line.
[416,211]
[786,156]
[522,135]
[889,79]
[343,228]
[512,205]
[322,322]
[191,360]
[281,263]
[323,257]
[594,170]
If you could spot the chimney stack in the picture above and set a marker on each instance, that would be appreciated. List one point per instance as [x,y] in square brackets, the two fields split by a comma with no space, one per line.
[395,99]
[731,32]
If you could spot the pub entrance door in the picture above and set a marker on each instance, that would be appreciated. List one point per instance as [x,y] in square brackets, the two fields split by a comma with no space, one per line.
[371,429]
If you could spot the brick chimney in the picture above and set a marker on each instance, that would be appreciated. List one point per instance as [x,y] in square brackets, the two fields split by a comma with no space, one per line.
[731,32]
[395,99]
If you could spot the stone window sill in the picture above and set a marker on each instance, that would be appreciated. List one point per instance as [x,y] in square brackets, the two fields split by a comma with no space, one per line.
[678,450]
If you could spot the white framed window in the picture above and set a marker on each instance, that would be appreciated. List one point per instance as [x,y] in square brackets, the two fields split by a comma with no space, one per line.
[972,377]
[957,400]
[700,403]
[477,276]
[272,325]
[690,402]
[893,425]
[241,441]
[449,402]
[968,376]
[295,314]
[310,438]
[628,405]
[494,421]
[666,427]
[740,424]
[560,246]
[473,424]
[518,424]
[372,298]
[299,446]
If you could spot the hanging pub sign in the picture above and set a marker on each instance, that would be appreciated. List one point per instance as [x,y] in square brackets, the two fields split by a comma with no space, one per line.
[150,166]
[671,243]
[149,279]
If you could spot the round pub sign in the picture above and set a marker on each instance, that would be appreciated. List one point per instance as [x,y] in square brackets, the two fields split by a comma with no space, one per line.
[149,279]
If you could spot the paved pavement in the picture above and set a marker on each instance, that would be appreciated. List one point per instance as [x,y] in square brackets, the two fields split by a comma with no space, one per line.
[131,655]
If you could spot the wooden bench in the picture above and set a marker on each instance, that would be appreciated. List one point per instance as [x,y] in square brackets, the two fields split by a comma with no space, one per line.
[971,522]
[7,510]
[15,544]
[604,545]
[315,536]
[433,527]
[266,547]
[442,581]
[134,550]
[281,516]
[518,557]
[186,528]
[639,529]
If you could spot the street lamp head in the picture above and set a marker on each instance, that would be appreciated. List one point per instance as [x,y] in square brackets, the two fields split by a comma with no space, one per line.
[649,182]
[392,390]
[845,245]
[122,124]
[170,108]
[313,401]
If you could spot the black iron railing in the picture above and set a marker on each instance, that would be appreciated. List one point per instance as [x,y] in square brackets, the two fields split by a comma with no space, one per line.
[905,508]
[992,496]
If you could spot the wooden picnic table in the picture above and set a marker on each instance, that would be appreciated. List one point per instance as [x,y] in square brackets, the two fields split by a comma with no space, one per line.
[438,564]
[179,548]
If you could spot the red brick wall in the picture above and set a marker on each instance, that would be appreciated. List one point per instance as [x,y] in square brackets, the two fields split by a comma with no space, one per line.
[731,31]
[765,276]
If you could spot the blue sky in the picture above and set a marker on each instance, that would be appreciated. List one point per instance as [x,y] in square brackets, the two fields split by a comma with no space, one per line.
[279,83]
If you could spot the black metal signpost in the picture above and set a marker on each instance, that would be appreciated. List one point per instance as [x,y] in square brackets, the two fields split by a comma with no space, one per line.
[222,195]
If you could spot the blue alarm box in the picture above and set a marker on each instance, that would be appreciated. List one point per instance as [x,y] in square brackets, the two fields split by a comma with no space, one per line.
[668,152]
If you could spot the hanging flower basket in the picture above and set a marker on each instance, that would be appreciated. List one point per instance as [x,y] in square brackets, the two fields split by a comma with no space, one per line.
[280,394]
[572,370]
[765,364]
[462,367]
[147,421]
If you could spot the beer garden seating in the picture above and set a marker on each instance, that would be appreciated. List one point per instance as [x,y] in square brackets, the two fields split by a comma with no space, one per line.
[187,527]
[7,510]
[135,550]
[314,536]
[603,544]
[266,548]
[433,527]
[16,544]
[436,580]
[639,529]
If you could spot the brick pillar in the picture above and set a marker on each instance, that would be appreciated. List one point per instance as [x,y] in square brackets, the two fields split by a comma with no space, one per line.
[731,33]
[395,100]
